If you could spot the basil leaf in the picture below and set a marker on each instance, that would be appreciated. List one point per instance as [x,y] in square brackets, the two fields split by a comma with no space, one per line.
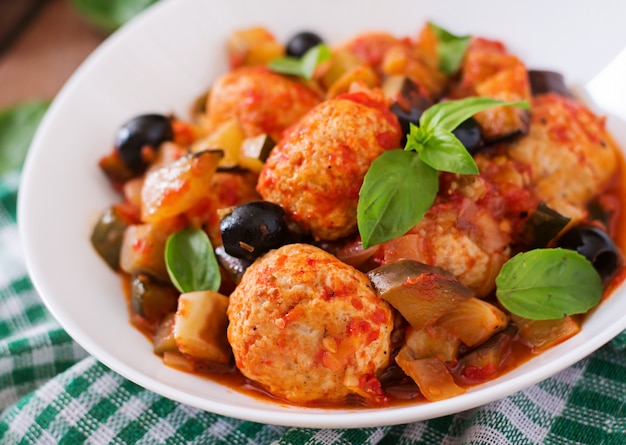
[17,128]
[450,49]
[108,15]
[545,284]
[397,191]
[191,262]
[303,67]
[313,57]
[450,114]
[447,153]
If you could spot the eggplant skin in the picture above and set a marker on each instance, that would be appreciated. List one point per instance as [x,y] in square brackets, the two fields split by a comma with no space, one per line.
[542,82]
[107,235]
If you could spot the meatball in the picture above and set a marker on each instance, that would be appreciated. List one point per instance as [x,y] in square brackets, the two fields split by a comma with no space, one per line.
[316,171]
[459,236]
[308,327]
[569,153]
[262,101]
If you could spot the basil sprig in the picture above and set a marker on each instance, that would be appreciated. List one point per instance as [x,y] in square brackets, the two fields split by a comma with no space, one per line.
[191,262]
[401,185]
[450,49]
[546,284]
[304,66]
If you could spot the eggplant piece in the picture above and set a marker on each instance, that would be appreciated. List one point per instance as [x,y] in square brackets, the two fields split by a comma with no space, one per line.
[542,334]
[164,337]
[542,82]
[433,341]
[107,236]
[151,300]
[409,101]
[233,266]
[486,361]
[421,293]
[474,321]
[542,226]
[430,374]
[470,135]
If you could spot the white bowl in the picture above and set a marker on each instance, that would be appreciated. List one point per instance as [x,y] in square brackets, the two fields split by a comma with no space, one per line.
[162,60]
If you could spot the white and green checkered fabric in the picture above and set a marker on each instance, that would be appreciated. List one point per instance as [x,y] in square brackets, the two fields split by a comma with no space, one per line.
[52,392]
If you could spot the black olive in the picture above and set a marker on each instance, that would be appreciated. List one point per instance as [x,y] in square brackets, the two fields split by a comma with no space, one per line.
[145,130]
[299,44]
[542,82]
[470,135]
[254,228]
[595,245]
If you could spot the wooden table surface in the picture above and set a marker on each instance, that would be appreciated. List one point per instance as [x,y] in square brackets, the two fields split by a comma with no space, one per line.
[45,53]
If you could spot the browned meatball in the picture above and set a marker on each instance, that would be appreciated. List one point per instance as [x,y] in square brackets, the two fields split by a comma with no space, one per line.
[262,101]
[316,171]
[309,328]
[570,155]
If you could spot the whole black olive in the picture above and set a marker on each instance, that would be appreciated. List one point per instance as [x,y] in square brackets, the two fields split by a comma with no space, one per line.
[145,130]
[254,228]
[595,245]
[470,135]
[299,44]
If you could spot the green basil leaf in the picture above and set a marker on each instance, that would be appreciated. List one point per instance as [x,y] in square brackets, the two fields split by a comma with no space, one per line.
[312,58]
[303,67]
[397,191]
[546,284]
[191,262]
[17,128]
[286,65]
[450,114]
[450,49]
[444,152]
[108,15]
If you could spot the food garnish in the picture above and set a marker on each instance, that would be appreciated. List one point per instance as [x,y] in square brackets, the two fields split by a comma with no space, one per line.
[401,185]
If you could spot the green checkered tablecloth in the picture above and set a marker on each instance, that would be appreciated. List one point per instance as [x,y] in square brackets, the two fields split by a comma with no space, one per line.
[52,392]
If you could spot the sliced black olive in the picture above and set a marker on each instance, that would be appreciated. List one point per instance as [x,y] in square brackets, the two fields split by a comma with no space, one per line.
[107,236]
[146,130]
[254,228]
[595,245]
[300,43]
[152,300]
[470,135]
[542,82]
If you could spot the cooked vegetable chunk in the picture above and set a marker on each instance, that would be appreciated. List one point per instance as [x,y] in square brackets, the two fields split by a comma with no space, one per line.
[175,188]
[421,293]
[200,326]
[432,377]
